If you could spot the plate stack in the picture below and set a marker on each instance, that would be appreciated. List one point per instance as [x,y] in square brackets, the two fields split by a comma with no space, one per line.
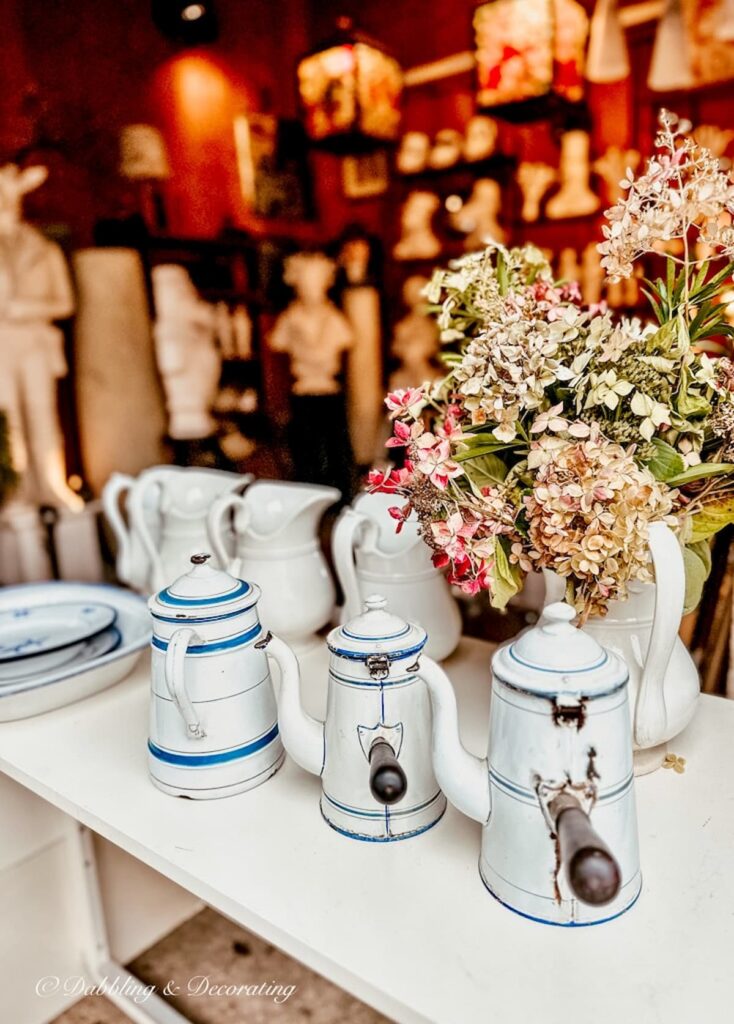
[62,641]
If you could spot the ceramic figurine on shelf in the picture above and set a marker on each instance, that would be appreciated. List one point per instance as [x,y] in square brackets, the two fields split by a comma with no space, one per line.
[612,168]
[373,752]
[480,138]
[413,153]
[417,240]
[415,339]
[35,290]
[555,795]
[446,150]
[478,216]
[188,357]
[534,180]
[592,275]
[316,335]
[213,716]
[569,268]
[575,198]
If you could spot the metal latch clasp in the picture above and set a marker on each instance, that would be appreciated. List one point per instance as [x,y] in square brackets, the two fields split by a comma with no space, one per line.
[378,666]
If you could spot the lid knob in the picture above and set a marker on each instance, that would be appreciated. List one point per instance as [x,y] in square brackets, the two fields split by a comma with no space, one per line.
[201,558]
[375,603]
[556,617]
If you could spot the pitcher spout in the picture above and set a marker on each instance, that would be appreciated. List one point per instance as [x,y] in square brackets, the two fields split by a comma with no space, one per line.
[463,777]
[302,735]
[278,509]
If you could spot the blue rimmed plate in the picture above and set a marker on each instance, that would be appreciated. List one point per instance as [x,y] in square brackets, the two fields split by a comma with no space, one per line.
[28,632]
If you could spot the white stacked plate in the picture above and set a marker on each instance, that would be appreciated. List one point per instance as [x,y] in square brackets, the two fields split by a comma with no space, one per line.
[60,642]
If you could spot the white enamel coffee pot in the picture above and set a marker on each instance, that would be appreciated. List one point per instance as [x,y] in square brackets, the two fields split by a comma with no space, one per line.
[373,752]
[276,545]
[182,497]
[213,716]
[370,556]
[555,795]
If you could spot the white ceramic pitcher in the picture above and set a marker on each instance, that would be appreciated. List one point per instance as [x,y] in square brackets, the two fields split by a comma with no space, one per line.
[371,557]
[643,630]
[276,546]
[132,563]
[183,497]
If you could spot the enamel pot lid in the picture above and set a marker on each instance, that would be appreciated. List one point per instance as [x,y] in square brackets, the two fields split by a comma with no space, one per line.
[554,657]
[204,593]
[376,631]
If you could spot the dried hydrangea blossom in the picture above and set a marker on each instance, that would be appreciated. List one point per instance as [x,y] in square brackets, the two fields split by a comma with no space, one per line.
[588,516]
[683,186]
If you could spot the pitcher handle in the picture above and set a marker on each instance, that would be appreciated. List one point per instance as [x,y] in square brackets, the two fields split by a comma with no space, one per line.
[651,717]
[137,520]
[115,487]
[346,531]
[174,669]
[214,527]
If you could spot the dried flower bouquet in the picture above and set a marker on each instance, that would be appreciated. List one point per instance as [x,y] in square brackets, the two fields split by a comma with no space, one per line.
[560,433]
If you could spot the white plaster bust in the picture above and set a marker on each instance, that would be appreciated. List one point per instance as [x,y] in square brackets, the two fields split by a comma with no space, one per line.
[417,241]
[188,358]
[575,198]
[313,332]
[35,290]
[446,149]
[480,138]
[534,179]
[413,153]
[612,168]
[415,339]
[478,216]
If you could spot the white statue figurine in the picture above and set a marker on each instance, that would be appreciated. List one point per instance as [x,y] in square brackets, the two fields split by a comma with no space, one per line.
[612,167]
[480,138]
[35,290]
[417,240]
[575,198]
[534,180]
[592,275]
[415,339]
[313,332]
[477,218]
[446,150]
[413,153]
[569,268]
[188,358]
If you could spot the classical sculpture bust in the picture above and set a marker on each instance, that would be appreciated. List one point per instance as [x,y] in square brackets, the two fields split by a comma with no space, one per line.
[35,290]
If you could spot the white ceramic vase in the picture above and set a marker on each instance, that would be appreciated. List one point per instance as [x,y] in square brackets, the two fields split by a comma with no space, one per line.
[664,682]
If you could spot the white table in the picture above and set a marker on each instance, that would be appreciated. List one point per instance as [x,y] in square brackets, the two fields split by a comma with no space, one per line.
[408,927]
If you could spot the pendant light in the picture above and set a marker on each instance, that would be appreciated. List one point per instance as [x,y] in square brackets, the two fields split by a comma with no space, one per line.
[670,67]
[607,59]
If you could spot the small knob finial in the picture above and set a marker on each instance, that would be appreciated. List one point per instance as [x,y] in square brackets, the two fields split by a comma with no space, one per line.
[200,558]
[375,603]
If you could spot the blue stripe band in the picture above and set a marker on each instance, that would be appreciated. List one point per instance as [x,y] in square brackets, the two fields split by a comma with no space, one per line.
[364,655]
[166,597]
[209,618]
[199,760]
[220,645]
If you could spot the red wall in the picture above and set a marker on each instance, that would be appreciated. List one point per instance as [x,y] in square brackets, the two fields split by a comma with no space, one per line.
[75,73]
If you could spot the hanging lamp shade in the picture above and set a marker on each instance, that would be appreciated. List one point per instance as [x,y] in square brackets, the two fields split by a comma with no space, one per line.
[608,58]
[350,90]
[724,29]
[670,67]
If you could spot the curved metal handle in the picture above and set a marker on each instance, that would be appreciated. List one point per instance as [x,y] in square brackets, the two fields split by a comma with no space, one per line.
[174,668]
[215,530]
[388,783]
[136,506]
[349,525]
[117,485]
[592,872]
[651,716]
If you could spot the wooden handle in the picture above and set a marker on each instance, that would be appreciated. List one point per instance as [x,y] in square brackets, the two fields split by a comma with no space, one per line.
[388,783]
[592,872]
